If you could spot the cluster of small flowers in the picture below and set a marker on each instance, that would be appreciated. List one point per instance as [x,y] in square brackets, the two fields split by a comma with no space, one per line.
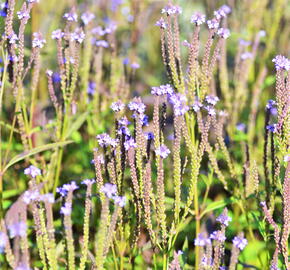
[179,104]
[110,190]
[12,38]
[17,229]
[224,219]
[38,41]
[196,106]
[117,106]
[63,191]
[246,55]
[123,126]
[272,128]
[271,107]
[34,195]
[23,15]
[281,62]
[198,18]
[161,23]
[78,35]
[32,171]
[101,43]
[222,12]
[71,16]
[162,90]
[105,140]
[87,17]
[171,9]
[224,33]
[162,151]
[57,34]
[137,106]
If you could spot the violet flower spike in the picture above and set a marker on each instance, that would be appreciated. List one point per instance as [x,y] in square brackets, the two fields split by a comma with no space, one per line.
[201,240]
[110,190]
[224,33]
[130,144]
[17,229]
[161,23]
[240,242]
[224,219]
[88,182]
[281,62]
[32,171]
[218,236]
[102,43]
[198,18]
[120,200]
[117,106]
[162,151]
[71,16]
[38,41]
[66,209]
[87,17]
[57,34]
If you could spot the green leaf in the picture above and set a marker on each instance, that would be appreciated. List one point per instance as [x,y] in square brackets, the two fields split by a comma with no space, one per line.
[219,204]
[77,124]
[34,151]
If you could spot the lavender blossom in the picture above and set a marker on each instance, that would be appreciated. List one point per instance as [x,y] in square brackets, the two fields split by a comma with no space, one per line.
[206,262]
[32,171]
[201,240]
[246,55]
[22,266]
[130,143]
[170,10]
[88,182]
[30,196]
[66,188]
[262,33]
[244,43]
[17,229]
[66,209]
[162,90]
[105,140]
[57,34]
[12,38]
[23,15]
[179,104]
[162,151]
[137,106]
[120,200]
[186,43]
[38,41]
[71,16]
[196,106]
[78,35]
[91,88]
[218,236]
[161,23]
[240,242]
[271,104]
[272,128]
[47,198]
[198,18]
[110,190]
[87,17]
[281,62]
[102,43]
[212,100]
[135,65]
[149,135]
[224,33]
[117,106]
[241,127]
[213,24]
[287,158]
[224,219]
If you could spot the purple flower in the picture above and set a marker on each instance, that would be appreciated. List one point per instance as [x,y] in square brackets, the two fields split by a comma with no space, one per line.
[179,104]
[224,219]
[246,55]
[130,144]
[66,188]
[56,77]
[3,241]
[240,242]
[186,43]
[149,135]
[109,190]
[210,110]
[32,171]
[197,106]
[91,88]
[212,100]
[105,140]
[57,34]
[78,35]
[222,12]
[162,151]
[170,9]
[271,104]
[135,65]
[161,23]
[281,62]
[241,127]
[218,236]
[117,106]
[262,33]
[198,18]
[88,182]
[22,266]
[124,121]
[17,229]
[66,209]
[272,128]
[102,43]
[206,262]
[162,90]
[120,200]
[48,198]
[87,17]
[226,9]
[213,24]
[224,33]
[38,41]
[30,195]
[115,4]
[201,240]
[23,15]
[71,16]
[137,106]
[13,38]
[126,61]
[32,1]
